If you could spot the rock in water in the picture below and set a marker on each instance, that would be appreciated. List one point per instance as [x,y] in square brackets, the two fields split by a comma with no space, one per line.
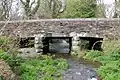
[93,78]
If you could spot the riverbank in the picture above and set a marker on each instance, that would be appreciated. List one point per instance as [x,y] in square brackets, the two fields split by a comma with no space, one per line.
[109,58]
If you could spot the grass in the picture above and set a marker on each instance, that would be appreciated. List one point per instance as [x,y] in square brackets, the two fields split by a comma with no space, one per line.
[40,68]
[44,68]
[110,59]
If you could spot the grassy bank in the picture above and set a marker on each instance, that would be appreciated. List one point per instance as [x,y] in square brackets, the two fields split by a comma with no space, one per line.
[43,68]
[40,68]
[109,58]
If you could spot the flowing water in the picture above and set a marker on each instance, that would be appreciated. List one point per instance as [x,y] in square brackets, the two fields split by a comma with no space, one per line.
[79,68]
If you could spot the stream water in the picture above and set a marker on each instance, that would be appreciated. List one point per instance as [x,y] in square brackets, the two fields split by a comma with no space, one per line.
[79,68]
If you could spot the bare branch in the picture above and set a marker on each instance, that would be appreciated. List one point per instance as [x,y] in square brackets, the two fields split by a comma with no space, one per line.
[32,3]
[63,5]
[36,7]
[22,2]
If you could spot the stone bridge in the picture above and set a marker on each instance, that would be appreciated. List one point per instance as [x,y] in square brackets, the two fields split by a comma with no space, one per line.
[90,26]
[82,28]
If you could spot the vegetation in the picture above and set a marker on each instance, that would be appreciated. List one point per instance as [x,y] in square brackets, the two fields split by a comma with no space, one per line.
[80,9]
[42,67]
[5,7]
[28,7]
[12,60]
[5,43]
[70,9]
[45,67]
[37,9]
[51,8]
[110,60]
[34,9]
[100,12]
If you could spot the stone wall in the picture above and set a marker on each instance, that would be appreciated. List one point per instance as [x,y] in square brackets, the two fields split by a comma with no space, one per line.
[92,27]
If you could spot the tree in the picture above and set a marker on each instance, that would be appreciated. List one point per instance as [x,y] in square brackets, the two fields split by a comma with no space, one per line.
[101,9]
[117,9]
[101,13]
[80,9]
[51,8]
[5,9]
[30,8]
[55,7]
[16,10]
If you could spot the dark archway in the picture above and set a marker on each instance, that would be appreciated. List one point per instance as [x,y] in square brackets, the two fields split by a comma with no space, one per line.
[26,42]
[95,43]
[57,44]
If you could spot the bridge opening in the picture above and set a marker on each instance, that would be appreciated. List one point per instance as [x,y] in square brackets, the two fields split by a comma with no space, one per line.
[57,44]
[62,44]
[92,43]
[26,42]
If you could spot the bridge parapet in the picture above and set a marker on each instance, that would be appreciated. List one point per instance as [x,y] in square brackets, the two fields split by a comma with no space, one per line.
[85,27]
